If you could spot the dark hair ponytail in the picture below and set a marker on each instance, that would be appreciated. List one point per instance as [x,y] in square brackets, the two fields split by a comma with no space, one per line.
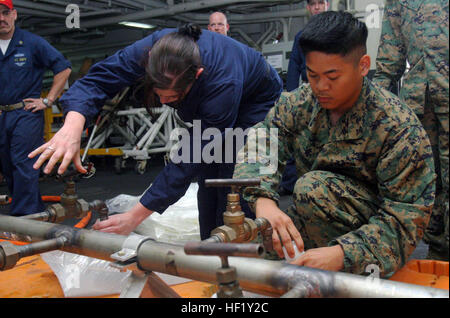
[191,30]
[173,62]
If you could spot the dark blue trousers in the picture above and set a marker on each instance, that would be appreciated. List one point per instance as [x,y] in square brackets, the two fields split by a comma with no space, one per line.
[289,177]
[20,133]
[212,201]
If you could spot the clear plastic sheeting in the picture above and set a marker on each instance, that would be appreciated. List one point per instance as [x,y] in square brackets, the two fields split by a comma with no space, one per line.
[178,224]
[82,276]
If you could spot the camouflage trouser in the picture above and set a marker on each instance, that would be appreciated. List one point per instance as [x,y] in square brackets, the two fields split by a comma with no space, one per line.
[327,206]
[436,235]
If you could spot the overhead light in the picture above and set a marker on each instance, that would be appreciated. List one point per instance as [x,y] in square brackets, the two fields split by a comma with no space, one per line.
[137,25]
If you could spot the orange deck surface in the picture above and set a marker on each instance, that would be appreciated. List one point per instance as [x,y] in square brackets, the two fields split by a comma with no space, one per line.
[424,272]
[33,278]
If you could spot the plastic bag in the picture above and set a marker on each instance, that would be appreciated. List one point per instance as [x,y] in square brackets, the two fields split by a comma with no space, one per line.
[178,224]
[82,276]
[122,203]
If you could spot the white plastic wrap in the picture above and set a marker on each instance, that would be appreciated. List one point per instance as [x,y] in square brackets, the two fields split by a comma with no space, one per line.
[122,203]
[297,253]
[178,224]
[82,276]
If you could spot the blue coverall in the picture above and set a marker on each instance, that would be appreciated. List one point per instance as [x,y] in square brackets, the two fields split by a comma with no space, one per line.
[296,66]
[22,70]
[236,89]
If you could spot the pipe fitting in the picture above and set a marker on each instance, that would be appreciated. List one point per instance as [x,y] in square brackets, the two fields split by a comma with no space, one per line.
[250,230]
[101,208]
[83,208]
[9,255]
[226,232]
[57,213]
[266,230]
[228,283]
[4,199]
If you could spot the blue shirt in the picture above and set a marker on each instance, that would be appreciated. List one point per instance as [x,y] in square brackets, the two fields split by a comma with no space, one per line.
[236,89]
[23,65]
[296,66]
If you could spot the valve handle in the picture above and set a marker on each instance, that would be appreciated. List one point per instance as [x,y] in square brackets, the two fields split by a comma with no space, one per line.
[224,249]
[235,184]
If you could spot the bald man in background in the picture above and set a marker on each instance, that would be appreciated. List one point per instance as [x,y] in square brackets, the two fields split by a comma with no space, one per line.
[218,23]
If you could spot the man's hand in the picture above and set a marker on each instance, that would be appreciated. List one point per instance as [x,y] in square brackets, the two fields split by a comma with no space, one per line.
[64,145]
[119,224]
[282,225]
[327,258]
[34,104]
[123,223]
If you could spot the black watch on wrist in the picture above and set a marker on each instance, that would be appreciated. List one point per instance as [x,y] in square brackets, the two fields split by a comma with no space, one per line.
[46,102]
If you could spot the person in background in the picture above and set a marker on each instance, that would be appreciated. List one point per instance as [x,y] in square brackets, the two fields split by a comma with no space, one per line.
[218,23]
[367,182]
[24,58]
[417,32]
[297,70]
[296,66]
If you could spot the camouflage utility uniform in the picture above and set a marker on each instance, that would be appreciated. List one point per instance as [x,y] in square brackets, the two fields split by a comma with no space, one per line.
[417,31]
[366,183]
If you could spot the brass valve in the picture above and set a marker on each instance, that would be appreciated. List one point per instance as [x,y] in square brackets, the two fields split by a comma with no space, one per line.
[237,228]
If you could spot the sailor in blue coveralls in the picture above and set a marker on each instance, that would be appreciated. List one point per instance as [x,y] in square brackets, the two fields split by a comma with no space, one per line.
[204,75]
[24,58]
[297,70]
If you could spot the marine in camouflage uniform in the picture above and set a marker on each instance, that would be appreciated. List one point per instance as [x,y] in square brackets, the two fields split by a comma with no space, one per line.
[417,31]
[366,183]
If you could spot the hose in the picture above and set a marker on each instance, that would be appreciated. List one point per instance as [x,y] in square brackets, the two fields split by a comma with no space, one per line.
[45,198]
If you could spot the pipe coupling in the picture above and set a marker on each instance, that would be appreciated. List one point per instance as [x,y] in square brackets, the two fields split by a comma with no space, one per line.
[9,255]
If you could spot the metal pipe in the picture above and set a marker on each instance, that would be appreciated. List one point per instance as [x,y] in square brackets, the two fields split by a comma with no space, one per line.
[45,216]
[65,3]
[261,41]
[223,249]
[232,182]
[35,13]
[247,38]
[271,278]
[42,247]
[38,6]
[285,29]
[10,253]
[202,18]
[275,278]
